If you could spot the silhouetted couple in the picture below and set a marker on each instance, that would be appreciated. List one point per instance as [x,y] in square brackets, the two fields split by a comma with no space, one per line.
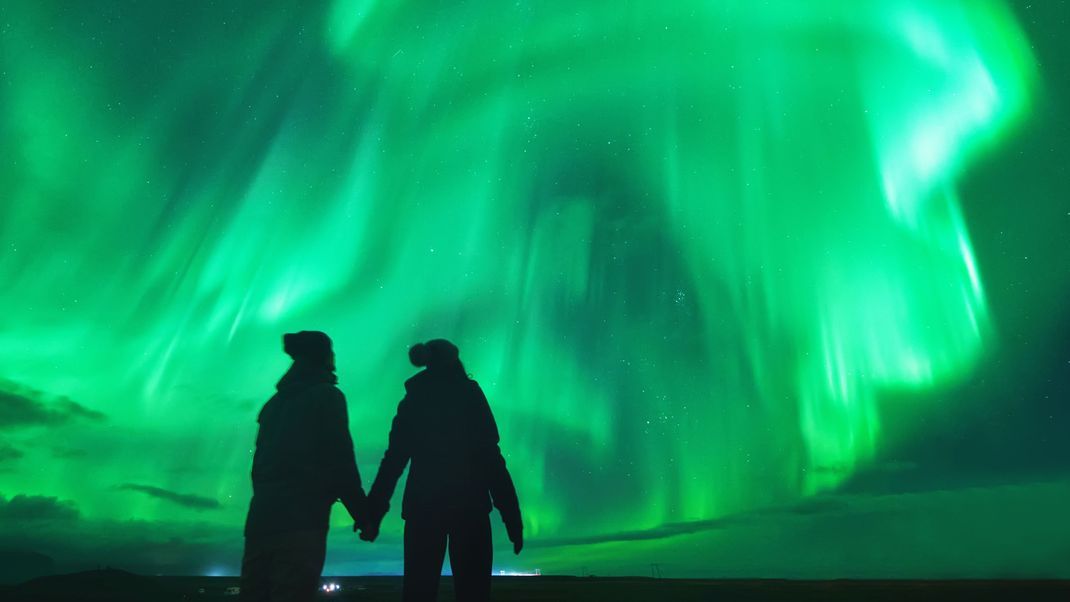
[304,462]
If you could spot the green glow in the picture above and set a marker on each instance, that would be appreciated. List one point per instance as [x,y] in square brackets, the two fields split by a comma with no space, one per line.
[684,246]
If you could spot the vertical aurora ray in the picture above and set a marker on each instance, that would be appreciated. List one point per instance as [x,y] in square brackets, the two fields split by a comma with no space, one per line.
[685,247]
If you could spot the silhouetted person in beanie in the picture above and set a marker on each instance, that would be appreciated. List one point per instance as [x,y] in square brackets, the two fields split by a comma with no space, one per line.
[303,463]
[444,426]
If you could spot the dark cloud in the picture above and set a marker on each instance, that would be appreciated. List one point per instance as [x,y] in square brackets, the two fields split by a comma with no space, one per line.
[146,547]
[920,535]
[817,505]
[36,508]
[9,453]
[821,505]
[68,453]
[895,466]
[68,408]
[1007,531]
[187,500]
[21,406]
[885,467]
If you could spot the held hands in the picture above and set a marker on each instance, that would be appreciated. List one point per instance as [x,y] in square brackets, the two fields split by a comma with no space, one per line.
[369,520]
[368,526]
[369,532]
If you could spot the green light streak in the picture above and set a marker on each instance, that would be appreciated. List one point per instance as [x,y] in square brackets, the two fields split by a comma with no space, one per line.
[684,246]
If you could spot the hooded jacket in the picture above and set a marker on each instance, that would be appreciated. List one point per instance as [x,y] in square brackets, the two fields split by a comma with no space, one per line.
[444,426]
[304,456]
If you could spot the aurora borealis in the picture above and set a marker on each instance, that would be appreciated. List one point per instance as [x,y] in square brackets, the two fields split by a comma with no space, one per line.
[729,275]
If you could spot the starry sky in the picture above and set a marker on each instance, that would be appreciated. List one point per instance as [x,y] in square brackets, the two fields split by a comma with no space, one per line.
[774,291]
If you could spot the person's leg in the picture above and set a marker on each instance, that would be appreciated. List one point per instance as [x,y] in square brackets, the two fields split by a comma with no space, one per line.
[425,548]
[255,570]
[471,556]
[297,566]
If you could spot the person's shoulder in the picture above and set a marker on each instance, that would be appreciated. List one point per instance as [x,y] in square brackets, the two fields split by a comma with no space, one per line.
[327,392]
[473,385]
[416,382]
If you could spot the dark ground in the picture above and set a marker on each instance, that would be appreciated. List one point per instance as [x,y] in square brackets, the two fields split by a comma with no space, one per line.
[122,586]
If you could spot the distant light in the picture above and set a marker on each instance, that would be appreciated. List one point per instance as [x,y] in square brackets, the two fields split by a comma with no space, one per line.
[331,587]
[505,573]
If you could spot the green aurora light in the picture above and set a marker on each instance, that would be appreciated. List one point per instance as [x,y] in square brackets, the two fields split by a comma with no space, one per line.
[687,248]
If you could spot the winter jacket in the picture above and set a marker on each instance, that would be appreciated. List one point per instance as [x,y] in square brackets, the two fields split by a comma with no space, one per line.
[445,428]
[304,456]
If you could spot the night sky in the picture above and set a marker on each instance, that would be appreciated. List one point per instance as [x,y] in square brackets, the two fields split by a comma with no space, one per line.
[774,289]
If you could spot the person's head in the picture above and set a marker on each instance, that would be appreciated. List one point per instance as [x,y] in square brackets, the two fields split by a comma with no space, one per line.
[439,356]
[309,347]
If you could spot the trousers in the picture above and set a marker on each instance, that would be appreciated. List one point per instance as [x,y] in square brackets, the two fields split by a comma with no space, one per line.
[468,540]
[283,567]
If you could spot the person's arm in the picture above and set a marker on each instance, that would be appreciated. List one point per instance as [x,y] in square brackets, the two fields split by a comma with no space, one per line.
[398,452]
[502,490]
[340,462]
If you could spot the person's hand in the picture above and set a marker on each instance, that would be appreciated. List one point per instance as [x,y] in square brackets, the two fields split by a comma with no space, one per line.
[369,527]
[361,521]
[516,535]
[369,533]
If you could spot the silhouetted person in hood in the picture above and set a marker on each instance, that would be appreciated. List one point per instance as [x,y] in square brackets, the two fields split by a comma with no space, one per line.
[444,426]
[303,463]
